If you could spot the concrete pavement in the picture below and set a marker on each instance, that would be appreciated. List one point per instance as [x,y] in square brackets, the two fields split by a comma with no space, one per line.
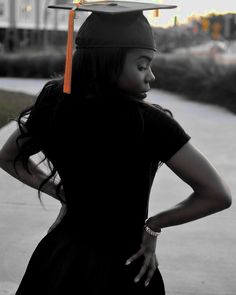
[29,86]
[195,258]
[199,257]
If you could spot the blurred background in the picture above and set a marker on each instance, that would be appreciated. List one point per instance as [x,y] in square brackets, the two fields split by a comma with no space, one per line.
[197,45]
[30,25]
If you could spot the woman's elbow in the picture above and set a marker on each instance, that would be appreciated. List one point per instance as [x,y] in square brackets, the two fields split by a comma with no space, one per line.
[224,200]
[227,201]
[1,160]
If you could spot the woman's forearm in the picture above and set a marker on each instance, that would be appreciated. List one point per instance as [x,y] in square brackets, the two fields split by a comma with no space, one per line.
[35,176]
[32,179]
[194,207]
[210,192]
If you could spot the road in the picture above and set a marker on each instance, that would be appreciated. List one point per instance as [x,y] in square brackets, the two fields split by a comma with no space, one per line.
[195,258]
[29,86]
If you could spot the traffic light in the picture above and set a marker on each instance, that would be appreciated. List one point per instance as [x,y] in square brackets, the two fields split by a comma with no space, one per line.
[205,24]
[156,13]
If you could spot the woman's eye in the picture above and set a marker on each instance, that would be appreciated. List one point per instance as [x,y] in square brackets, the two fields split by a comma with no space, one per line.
[142,68]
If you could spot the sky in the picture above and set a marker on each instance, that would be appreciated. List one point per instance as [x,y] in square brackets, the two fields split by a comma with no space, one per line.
[187,8]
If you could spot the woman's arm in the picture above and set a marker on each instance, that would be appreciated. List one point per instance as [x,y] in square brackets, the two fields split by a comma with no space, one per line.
[210,193]
[33,179]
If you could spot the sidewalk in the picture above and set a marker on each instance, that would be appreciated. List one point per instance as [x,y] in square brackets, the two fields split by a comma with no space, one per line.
[197,258]
[29,86]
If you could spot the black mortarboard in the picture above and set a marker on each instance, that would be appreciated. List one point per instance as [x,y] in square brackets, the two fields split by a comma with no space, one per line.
[111,24]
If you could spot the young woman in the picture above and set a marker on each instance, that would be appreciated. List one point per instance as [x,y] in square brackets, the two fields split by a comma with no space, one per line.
[106,143]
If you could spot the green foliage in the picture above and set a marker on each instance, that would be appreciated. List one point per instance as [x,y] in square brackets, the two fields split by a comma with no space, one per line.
[31,65]
[197,79]
[11,104]
[177,37]
[200,79]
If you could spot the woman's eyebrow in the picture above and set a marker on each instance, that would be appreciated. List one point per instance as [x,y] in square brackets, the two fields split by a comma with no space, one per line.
[145,56]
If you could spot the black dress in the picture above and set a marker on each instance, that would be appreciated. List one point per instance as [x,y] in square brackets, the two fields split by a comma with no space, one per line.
[106,153]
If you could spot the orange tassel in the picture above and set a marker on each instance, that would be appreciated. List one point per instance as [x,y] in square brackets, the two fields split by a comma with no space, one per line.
[69,53]
[156,13]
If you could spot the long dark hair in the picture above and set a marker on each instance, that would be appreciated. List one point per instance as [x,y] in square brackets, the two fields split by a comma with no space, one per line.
[96,70]
[94,73]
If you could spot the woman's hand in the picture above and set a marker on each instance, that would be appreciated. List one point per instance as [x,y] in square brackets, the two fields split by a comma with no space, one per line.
[150,263]
[59,218]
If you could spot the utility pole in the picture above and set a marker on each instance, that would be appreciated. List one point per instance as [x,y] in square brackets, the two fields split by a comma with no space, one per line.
[11,35]
[176,21]
[55,33]
[37,22]
[45,21]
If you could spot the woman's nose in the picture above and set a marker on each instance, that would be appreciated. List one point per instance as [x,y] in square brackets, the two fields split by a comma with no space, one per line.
[150,77]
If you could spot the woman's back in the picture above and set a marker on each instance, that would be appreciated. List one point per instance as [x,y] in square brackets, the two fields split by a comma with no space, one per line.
[106,151]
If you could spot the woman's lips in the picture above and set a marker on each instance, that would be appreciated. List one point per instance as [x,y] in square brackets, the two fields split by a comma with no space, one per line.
[144,93]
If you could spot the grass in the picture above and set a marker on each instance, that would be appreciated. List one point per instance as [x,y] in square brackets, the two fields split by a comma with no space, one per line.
[11,104]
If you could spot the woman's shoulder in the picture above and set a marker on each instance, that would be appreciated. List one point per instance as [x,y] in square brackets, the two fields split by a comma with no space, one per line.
[157,118]
[153,111]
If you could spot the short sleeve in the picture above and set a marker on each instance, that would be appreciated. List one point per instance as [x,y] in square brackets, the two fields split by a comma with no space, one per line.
[164,136]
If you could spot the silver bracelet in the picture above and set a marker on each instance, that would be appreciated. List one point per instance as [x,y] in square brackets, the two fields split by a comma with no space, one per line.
[151,232]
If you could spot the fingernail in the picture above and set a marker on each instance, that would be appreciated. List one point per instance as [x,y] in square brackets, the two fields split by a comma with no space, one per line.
[127,262]
[146,283]
[136,280]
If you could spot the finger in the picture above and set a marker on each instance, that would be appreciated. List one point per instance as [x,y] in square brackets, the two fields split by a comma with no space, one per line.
[50,229]
[134,257]
[150,273]
[53,226]
[143,269]
[156,261]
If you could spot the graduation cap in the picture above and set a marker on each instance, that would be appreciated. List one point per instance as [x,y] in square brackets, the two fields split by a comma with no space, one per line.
[111,24]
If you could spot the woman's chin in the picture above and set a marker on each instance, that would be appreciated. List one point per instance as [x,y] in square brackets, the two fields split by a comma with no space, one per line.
[142,95]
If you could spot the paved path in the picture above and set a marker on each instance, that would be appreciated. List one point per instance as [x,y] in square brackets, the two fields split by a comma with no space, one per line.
[29,86]
[197,258]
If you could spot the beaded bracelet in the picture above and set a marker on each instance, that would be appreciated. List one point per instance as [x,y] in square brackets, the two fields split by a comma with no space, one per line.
[151,232]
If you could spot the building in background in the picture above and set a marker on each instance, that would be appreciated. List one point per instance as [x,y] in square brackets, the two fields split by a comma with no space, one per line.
[29,23]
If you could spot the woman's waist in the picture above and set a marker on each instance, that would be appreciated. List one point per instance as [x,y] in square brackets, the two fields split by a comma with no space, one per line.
[105,234]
